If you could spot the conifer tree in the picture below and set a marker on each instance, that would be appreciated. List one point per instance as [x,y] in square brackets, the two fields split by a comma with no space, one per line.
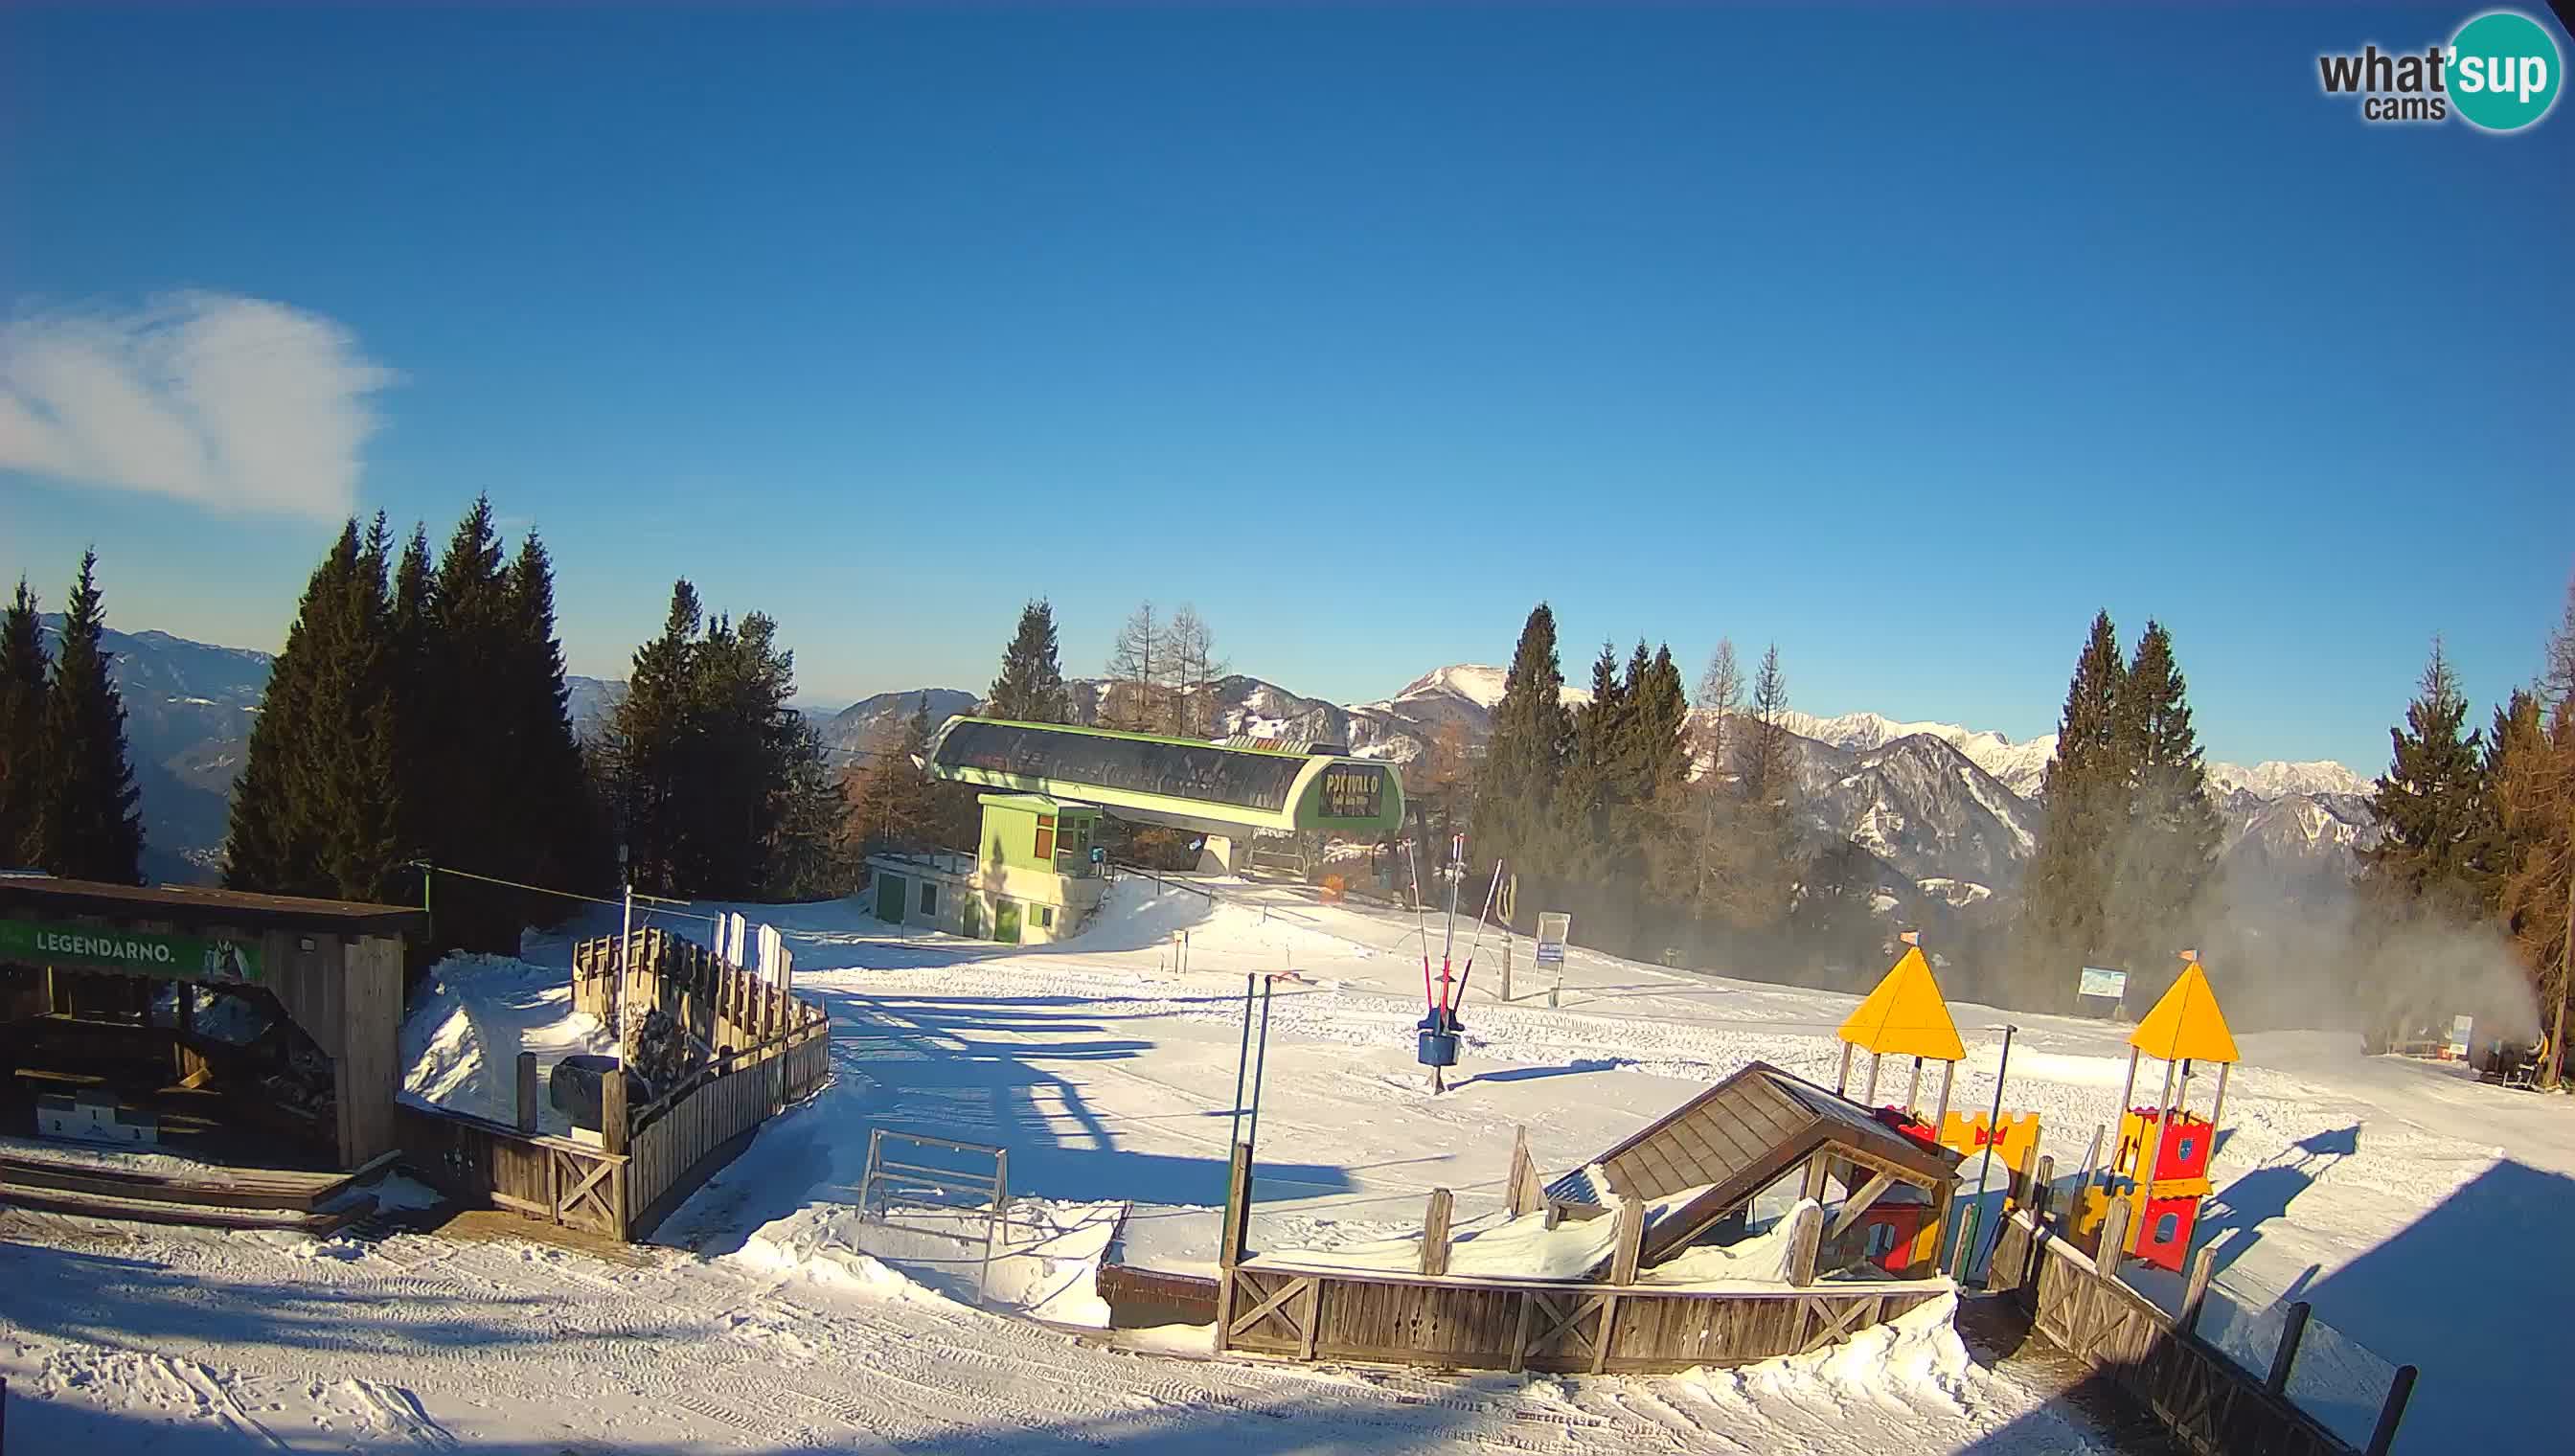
[2162,863]
[649,733]
[1531,742]
[1030,686]
[86,825]
[23,671]
[563,835]
[2436,829]
[1589,835]
[317,807]
[2085,797]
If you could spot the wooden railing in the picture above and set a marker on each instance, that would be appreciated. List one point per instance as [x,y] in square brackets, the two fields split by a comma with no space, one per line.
[481,1164]
[1522,1324]
[721,1004]
[2208,1404]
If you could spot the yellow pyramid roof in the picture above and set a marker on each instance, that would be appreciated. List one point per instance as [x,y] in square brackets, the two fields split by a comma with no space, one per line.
[2186,1024]
[1906,1016]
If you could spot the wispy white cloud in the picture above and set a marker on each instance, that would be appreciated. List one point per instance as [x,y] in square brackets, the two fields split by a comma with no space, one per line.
[229,403]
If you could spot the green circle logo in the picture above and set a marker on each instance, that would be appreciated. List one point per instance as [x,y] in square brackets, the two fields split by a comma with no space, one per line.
[2505,71]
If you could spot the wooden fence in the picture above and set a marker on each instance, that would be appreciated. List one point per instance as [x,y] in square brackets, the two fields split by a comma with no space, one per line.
[2199,1395]
[1566,1327]
[773,1049]
[482,1163]
[677,1144]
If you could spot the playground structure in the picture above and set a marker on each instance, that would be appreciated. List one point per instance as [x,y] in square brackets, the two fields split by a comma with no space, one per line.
[1686,1181]
[2159,1167]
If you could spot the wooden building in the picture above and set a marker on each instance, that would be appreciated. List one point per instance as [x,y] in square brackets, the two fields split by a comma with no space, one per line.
[258,1032]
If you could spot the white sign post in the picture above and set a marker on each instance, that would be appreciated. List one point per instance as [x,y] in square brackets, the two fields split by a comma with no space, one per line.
[1553,927]
[2461,1028]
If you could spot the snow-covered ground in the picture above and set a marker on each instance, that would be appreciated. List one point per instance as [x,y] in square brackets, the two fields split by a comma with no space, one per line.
[2394,1196]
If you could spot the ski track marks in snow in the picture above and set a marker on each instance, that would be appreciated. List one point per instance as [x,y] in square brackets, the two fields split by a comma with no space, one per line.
[438,1346]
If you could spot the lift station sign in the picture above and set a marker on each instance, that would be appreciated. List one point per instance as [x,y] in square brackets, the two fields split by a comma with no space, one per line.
[1553,927]
[134,953]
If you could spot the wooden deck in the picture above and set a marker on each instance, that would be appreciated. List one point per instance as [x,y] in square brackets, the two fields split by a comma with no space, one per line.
[319,1203]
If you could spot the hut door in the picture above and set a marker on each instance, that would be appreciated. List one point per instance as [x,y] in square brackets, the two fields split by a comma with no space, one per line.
[1005,921]
[889,889]
[971,909]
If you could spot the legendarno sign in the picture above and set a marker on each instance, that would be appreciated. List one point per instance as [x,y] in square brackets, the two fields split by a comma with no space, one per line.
[179,957]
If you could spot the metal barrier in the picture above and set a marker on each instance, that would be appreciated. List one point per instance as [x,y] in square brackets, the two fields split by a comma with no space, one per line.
[890,1183]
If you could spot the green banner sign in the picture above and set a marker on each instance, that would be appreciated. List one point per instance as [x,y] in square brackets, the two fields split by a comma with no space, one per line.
[136,952]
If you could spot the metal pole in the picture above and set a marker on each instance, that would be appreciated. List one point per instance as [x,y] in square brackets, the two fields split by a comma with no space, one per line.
[1914,1094]
[1841,1082]
[2220,1104]
[1261,1069]
[1994,1123]
[1241,1060]
[1420,926]
[1948,1074]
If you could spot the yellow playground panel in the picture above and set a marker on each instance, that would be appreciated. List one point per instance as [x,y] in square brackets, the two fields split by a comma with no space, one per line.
[2011,1140]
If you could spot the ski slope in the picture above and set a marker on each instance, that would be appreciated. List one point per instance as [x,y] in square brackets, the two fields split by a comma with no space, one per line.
[773,1319]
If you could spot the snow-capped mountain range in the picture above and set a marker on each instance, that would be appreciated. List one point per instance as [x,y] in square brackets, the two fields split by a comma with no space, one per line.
[1946,807]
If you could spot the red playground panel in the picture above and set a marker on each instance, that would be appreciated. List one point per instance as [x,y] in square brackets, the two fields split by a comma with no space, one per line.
[2164,1238]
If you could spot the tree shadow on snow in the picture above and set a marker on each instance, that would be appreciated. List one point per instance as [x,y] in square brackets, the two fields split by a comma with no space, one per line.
[977,1069]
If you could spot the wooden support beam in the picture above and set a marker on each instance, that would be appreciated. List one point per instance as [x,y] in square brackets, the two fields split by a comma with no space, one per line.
[1810,1236]
[2203,1267]
[611,1111]
[2114,1237]
[527,1091]
[1858,1203]
[1525,1193]
[2399,1390]
[1813,1187]
[1520,1331]
[1631,1241]
[1238,1207]
[2285,1357]
[1435,1232]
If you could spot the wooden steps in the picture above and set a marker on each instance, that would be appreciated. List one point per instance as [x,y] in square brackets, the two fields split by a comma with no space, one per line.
[316,1203]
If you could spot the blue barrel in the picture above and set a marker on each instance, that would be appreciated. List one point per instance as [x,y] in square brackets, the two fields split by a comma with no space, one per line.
[1439,1048]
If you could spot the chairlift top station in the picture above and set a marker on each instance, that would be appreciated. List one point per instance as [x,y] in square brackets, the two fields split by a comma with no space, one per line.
[1219,789]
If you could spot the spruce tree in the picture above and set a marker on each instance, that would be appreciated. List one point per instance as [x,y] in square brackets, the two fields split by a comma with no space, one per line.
[2436,829]
[23,671]
[1588,832]
[648,736]
[2085,797]
[2163,863]
[1030,686]
[563,845]
[86,825]
[1531,742]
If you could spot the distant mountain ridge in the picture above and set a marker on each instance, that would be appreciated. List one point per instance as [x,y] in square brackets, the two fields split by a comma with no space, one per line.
[1948,808]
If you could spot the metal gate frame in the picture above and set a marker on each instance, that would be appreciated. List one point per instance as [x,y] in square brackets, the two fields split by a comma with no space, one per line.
[907,1185]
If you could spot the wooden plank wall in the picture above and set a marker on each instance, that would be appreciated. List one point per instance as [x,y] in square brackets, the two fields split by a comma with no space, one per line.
[687,1140]
[2207,1404]
[1451,1324]
[370,1059]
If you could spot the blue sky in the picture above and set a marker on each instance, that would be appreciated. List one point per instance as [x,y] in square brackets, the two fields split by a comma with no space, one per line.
[1906,341]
